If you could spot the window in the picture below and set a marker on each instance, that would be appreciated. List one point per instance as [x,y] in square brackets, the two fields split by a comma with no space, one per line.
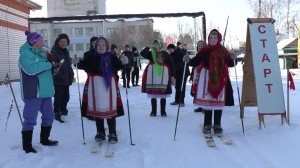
[69,31]
[56,32]
[89,31]
[79,47]
[142,29]
[79,31]
[70,47]
[43,32]
[131,29]
[111,30]
[99,31]
[71,2]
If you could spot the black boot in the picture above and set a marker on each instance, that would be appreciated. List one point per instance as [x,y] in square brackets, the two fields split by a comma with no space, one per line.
[100,136]
[27,138]
[112,137]
[45,133]
[207,122]
[58,117]
[217,122]
[163,107]
[154,106]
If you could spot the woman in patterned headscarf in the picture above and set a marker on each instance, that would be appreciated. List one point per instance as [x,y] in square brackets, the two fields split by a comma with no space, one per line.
[158,76]
[212,62]
[104,100]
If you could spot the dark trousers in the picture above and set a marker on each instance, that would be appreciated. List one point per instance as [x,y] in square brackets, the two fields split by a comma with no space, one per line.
[135,74]
[162,105]
[61,98]
[111,125]
[127,79]
[178,88]
[208,117]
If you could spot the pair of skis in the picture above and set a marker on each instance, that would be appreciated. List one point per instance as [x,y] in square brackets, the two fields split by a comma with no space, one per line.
[110,151]
[211,142]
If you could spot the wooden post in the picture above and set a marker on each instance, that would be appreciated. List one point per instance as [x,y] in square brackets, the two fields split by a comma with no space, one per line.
[13,94]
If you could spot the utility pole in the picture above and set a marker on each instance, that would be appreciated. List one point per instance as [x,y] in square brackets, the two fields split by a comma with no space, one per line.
[259,9]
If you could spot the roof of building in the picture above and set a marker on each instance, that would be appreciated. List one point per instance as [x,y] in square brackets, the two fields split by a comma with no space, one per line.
[30,4]
[287,43]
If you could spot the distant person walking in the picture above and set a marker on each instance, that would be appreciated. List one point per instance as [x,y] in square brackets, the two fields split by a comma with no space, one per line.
[127,68]
[136,67]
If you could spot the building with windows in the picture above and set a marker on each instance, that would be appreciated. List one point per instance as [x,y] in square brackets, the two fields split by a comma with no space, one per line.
[14,16]
[118,31]
[59,8]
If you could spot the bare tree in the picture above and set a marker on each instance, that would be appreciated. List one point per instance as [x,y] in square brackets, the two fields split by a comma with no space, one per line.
[285,12]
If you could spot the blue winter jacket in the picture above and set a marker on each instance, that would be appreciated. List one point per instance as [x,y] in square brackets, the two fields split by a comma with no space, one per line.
[35,73]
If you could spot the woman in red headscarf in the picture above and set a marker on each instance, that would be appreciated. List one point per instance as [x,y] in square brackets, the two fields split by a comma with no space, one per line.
[212,65]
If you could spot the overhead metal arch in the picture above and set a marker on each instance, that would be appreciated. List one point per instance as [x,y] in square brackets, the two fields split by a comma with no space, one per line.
[125,16]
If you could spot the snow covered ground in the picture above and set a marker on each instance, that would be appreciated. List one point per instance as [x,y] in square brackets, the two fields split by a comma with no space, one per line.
[275,146]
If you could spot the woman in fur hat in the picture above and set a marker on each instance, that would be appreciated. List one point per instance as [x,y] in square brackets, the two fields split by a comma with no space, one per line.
[158,76]
[213,62]
[64,78]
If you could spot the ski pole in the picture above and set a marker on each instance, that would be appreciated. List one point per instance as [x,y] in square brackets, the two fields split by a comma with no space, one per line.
[129,124]
[82,127]
[238,90]
[180,100]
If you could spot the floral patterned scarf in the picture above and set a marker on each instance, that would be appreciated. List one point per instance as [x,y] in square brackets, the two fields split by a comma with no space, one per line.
[217,68]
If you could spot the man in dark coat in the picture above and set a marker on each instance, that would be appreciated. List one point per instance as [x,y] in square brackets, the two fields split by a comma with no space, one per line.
[177,55]
[127,68]
[136,67]
[64,78]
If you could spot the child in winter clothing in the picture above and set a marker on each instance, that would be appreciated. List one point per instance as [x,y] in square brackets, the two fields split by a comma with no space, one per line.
[104,100]
[36,90]
[158,76]
[210,95]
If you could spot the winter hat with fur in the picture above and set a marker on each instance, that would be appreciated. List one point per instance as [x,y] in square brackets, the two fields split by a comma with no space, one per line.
[171,46]
[62,36]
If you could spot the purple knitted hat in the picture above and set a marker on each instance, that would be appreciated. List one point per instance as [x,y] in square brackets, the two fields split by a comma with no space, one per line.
[32,37]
